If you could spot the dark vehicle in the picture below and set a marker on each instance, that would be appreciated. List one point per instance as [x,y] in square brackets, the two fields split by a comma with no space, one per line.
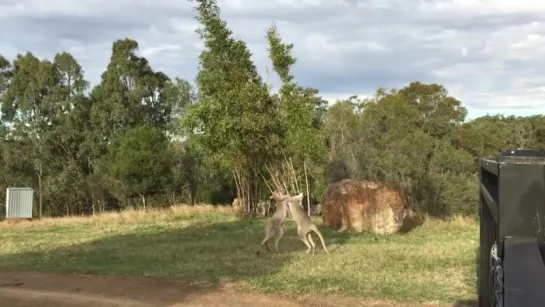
[512,229]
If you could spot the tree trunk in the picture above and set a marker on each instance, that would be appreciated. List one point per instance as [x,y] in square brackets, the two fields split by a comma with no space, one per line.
[93,185]
[306,182]
[193,192]
[40,192]
[143,201]
[93,203]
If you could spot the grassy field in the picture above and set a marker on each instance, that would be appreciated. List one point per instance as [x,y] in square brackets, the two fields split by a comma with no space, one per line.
[432,262]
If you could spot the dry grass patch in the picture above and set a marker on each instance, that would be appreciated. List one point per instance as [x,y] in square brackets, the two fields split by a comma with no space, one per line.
[125,216]
[433,262]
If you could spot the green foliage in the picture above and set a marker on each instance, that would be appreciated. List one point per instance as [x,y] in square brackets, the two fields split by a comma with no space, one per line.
[301,110]
[138,162]
[235,120]
[130,93]
[408,137]
[179,95]
[141,135]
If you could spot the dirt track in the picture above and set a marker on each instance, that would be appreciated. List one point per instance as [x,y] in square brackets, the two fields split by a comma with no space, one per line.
[38,289]
[30,289]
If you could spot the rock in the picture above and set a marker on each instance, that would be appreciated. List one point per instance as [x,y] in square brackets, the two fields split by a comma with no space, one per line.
[361,205]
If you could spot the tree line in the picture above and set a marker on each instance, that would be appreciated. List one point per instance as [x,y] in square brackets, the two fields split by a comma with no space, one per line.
[141,138]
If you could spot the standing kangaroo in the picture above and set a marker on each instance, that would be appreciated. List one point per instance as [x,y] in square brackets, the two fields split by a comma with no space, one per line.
[304,224]
[275,226]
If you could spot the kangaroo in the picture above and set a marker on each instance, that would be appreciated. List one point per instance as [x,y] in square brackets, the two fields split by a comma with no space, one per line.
[304,224]
[275,226]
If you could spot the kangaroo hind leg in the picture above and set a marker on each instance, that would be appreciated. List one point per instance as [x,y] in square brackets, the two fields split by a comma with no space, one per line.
[268,236]
[277,237]
[309,236]
[303,237]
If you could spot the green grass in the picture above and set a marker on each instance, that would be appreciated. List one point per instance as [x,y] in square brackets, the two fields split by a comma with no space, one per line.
[433,262]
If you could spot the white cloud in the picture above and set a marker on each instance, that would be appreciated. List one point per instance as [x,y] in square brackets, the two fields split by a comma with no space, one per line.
[488,53]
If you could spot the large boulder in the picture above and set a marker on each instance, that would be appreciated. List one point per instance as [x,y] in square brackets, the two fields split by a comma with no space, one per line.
[361,205]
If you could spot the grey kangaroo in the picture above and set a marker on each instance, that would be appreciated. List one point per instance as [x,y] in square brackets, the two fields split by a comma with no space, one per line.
[304,224]
[275,226]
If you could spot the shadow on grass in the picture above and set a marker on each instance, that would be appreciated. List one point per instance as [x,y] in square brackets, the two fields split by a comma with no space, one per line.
[332,237]
[205,253]
[472,302]
[410,223]
[336,238]
[466,303]
[290,242]
[208,254]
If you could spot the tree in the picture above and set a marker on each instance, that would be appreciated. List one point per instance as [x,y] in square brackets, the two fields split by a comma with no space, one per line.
[404,137]
[300,107]
[130,93]
[6,73]
[30,106]
[141,136]
[235,121]
[67,141]
[344,139]
[187,157]
[439,113]
[138,162]
[179,95]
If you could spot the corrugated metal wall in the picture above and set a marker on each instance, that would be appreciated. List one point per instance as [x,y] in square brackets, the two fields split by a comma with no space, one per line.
[19,202]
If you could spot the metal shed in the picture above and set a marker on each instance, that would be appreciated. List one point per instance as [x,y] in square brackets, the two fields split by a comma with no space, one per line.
[19,203]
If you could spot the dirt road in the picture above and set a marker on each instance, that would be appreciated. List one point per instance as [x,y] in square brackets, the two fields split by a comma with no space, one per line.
[30,289]
[20,289]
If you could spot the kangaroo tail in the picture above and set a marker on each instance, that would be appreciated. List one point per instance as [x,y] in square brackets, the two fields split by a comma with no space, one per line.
[315,229]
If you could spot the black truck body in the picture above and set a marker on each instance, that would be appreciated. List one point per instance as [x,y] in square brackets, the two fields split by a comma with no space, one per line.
[512,227]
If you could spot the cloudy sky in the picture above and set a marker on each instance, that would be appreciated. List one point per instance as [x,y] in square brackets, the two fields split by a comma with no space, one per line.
[488,53]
